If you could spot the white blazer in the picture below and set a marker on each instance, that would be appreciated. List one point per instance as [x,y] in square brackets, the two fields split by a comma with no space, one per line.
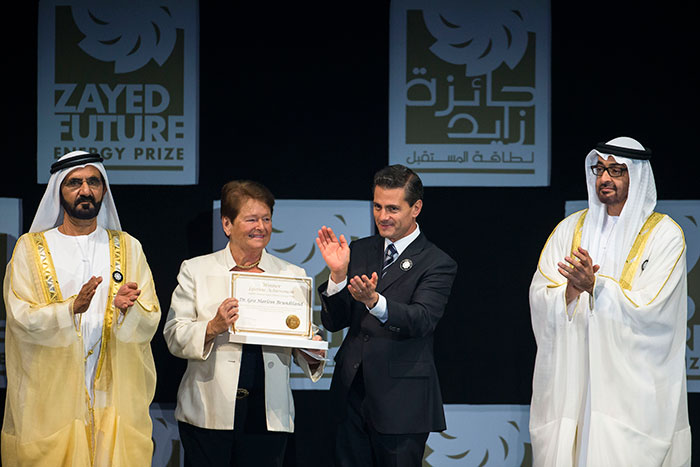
[207,394]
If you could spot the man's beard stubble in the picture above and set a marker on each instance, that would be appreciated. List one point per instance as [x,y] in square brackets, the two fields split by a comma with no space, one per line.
[79,213]
[615,198]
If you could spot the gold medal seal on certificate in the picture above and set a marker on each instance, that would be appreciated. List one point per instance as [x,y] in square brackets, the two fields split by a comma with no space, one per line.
[292,321]
[273,310]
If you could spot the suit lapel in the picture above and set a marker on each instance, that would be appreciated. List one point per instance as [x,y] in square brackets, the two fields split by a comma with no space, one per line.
[395,272]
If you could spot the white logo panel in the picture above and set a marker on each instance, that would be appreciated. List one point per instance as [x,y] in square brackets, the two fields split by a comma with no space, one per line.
[120,79]
[481,435]
[469,87]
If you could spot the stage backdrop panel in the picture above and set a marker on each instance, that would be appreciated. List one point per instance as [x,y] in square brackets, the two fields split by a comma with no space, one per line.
[481,435]
[469,91]
[167,448]
[686,213]
[120,79]
[295,225]
[476,435]
[10,231]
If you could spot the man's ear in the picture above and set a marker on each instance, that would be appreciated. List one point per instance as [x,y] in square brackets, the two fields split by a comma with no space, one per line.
[416,208]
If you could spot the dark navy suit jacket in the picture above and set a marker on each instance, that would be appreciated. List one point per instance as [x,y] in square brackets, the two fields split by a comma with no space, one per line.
[400,379]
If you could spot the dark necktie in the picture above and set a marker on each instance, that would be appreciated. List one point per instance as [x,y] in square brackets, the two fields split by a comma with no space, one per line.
[389,257]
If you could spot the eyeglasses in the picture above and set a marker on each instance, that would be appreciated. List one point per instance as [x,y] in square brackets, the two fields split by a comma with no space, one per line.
[75,183]
[614,171]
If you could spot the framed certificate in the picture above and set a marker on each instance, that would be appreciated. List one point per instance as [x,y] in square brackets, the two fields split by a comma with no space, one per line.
[273,310]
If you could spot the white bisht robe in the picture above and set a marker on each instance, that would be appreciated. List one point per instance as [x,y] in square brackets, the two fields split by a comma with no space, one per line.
[614,364]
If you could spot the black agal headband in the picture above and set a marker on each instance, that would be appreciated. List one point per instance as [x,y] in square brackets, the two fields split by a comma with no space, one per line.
[80,159]
[629,153]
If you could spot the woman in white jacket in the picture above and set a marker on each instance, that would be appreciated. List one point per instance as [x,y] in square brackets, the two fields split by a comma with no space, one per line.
[235,404]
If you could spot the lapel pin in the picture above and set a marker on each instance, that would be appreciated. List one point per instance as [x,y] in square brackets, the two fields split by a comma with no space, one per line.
[406,264]
[117,276]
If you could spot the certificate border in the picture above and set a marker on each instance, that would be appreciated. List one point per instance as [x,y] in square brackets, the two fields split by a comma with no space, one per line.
[307,280]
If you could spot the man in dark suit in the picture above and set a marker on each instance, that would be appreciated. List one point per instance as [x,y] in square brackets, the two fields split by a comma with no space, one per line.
[390,290]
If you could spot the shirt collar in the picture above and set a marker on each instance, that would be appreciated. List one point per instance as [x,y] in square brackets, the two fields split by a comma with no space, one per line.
[92,235]
[402,243]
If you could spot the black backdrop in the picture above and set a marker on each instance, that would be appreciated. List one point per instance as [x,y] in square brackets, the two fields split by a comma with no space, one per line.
[297,97]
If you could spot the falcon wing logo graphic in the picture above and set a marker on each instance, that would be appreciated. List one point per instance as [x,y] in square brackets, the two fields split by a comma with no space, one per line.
[130,36]
[482,436]
[482,36]
[295,239]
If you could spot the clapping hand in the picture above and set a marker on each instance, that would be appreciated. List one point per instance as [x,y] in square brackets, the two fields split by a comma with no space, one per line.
[84,297]
[336,253]
[579,273]
[363,289]
[126,296]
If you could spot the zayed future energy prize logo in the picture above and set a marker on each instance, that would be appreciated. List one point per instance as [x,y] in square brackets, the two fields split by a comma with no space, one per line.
[471,77]
[470,91]
[120,79]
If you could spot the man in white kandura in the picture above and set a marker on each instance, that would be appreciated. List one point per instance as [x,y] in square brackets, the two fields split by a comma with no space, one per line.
[81,312]
[609,304]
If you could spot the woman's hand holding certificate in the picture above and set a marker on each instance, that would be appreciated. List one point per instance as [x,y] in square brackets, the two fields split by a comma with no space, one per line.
[226,315]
